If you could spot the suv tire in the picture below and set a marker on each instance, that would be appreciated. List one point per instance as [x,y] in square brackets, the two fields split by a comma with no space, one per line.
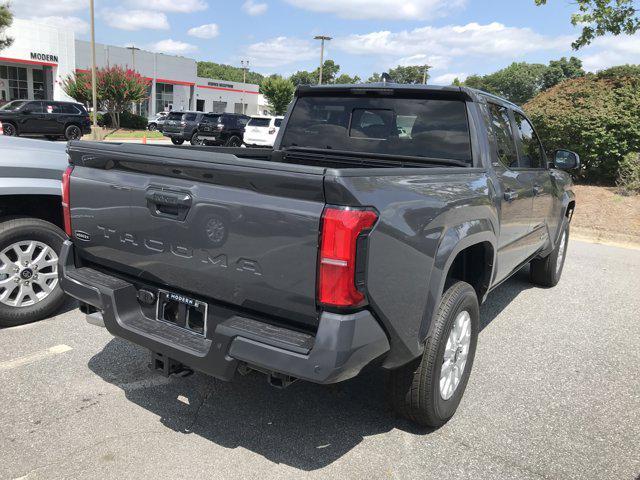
[72,132]
[196,140]
[177,141]
[234,141]
[16,234]
[152,127]
[547,271]
[9,129]
[423,391]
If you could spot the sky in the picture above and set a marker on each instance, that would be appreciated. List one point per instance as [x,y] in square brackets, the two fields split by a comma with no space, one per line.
[456,37]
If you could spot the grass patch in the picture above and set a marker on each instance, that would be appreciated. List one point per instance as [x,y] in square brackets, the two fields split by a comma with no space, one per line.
[125,133]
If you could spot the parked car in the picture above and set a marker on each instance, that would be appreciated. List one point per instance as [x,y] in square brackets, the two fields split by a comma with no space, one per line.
[45,118]
[157,122]
[262,131]
[226,129]
[180,126]
[31,229]
[347,245]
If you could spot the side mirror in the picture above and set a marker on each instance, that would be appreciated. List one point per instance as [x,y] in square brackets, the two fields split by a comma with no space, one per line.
[566,160]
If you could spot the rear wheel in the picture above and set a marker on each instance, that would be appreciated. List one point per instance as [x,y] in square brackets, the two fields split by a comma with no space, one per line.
[196,140]
[428,390]
[9,130]
[177,141]
[152,127]
[547,271]
[234,141]
[29,288]
[73,132]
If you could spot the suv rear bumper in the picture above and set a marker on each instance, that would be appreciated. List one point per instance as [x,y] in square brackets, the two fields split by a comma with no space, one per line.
[342,346]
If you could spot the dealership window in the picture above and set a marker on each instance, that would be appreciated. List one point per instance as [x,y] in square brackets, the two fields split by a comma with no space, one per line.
[39,92]
[240,107]
[18,87]
[164,97]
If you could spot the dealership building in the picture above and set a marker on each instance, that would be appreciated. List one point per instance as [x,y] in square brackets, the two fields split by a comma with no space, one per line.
[42,56]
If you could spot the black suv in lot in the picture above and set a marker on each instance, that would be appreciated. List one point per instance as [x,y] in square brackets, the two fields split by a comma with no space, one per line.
[45,118]
[180,126]
[225,129]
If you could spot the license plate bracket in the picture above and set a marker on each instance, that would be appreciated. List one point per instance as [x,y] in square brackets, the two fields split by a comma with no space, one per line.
[182,311]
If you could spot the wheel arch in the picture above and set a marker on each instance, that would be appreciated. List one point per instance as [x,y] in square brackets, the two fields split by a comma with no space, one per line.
[466,252]
[44,206]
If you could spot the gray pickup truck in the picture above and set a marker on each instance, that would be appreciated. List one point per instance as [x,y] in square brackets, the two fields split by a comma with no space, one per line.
[370,234]
[31,226]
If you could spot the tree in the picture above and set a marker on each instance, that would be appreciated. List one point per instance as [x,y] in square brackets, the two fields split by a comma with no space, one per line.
[347,79]
[279,92]
[412,74]
[374,78]
[227,72]
[330,70]
[595,115]
[518,83]
[599,17]
[78,86]
[559,70]
[116,88]
[303,77]
[6,18]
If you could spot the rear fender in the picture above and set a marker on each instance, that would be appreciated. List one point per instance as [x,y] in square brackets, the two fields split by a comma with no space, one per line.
[453,241]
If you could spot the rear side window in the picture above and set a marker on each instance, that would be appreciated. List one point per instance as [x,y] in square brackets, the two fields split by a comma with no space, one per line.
[530,147]
[210,118]
[414,127]
[174,116]
[190,117]
[501,126]
[50,107]
[259,122]
[70,109]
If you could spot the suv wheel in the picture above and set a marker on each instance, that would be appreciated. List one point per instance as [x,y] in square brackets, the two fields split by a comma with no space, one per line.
[196,140]
[29,288]
[73,132]
[428,390]
[177,141]
[152,127]
[234,141]
[9,129]
[546,271]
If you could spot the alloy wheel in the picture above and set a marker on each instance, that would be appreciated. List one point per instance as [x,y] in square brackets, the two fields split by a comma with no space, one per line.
[455,355]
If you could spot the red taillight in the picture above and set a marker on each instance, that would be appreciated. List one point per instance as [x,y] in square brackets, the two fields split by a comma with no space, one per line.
[337,270]
[272,131]
[66,205]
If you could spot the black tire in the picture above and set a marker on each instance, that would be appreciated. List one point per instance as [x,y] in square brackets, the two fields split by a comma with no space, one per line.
[72,132]
[9,129]
[414,389]
[26,229]
[152,127]
[196,140]
[547,271]
[234,141]
[177,141]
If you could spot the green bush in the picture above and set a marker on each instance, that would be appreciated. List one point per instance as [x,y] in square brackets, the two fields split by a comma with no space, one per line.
[629,175]
[598,116]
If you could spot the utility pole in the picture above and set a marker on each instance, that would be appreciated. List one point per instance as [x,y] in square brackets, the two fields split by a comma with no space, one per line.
[133,49]
[245,67]
[424,76]
[94,95]
[322,39]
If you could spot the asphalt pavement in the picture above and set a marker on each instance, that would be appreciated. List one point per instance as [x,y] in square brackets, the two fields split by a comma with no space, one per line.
[554,394]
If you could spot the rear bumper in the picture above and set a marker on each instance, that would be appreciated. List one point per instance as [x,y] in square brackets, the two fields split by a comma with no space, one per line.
[342,346]
[258,142]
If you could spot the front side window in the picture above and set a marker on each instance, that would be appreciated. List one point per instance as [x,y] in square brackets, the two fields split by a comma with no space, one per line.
[411,127]
[531,155]
[33,107]
[501,126]
[190,117]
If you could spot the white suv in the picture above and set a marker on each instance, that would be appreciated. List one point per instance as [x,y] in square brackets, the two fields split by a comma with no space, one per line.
[262,131]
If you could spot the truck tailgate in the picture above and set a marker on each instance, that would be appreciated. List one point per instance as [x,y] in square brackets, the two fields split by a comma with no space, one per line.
[239,231]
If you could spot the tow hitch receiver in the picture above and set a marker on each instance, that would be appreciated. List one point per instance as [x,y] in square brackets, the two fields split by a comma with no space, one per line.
[168,366]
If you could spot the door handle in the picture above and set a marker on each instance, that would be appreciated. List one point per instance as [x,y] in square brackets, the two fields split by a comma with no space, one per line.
[510,195]
[168,204]
[538,190]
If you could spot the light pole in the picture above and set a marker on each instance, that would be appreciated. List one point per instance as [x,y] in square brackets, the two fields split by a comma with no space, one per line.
[133,49]
[322,39]
[245,67]
[94,95]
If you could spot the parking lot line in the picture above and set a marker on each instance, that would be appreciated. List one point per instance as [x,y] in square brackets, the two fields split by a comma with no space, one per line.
[34,357]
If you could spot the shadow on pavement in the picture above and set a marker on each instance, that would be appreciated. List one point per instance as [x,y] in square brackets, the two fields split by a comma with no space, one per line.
[306,426]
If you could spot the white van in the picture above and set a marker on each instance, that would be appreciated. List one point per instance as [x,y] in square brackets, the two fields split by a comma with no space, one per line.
[262,131]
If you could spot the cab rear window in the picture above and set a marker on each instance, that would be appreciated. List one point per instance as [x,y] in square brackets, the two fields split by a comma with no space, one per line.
[416,127]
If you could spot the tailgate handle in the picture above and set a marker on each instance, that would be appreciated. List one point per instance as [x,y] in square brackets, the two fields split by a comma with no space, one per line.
[163,203]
